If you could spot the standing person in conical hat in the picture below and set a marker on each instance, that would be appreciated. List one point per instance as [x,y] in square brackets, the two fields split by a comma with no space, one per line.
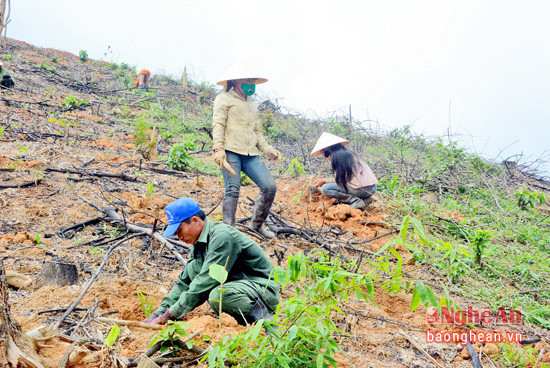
[354,182]
[238,143]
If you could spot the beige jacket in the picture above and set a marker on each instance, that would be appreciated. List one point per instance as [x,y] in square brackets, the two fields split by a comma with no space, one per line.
[236,126]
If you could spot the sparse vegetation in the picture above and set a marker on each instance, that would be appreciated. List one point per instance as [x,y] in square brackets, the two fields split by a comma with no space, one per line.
[83,56]
[474,229]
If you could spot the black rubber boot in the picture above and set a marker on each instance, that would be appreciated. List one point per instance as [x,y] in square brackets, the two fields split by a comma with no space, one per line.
[229,209]
[261,210]
[353,201]
[260,311]
[257,312]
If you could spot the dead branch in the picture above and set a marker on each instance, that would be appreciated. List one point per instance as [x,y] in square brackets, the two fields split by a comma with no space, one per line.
[130,323]
[65,359]
[24,185]
[111,212]
[79,226]
[92,173]
[476,362]
[420,348]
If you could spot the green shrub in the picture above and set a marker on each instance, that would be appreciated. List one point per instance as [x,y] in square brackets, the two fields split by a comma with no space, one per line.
[83,56]
[178,157]
[72,102]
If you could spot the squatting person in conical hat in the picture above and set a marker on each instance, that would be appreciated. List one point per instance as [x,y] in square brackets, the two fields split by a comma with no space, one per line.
[250,291]
[354,182]
[238,143]
[142,80]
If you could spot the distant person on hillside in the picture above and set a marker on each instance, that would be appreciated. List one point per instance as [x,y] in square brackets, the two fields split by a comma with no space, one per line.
[238,143]
[6,81]
[142,80]
[354,181]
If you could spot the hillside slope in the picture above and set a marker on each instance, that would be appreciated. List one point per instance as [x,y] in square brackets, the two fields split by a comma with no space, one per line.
[75,139]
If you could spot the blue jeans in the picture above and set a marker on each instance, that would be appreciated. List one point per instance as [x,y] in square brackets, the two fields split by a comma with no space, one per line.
[334,191]
[254,168]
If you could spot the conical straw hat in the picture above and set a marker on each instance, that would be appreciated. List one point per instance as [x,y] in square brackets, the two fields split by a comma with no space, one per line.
[327,140]
[241,70]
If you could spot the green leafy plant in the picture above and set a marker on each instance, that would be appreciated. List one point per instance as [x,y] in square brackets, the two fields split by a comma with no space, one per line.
[150,189]
[8,57]
[72,102]
[516,356]
[169,335]
[306,333]
[526,198]
[219,273]
[479,244]
[178,156]
[295,168]
[245,180]
[423,294]
[389,186]
[83,56]
[112,336]
[146,303]
[48,68]
[112,231]
[55,59]
[96,250]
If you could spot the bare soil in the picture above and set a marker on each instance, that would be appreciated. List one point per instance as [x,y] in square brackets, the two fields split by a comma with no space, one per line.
[31,219]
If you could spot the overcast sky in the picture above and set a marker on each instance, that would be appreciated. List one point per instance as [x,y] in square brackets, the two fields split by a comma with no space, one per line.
[480,67]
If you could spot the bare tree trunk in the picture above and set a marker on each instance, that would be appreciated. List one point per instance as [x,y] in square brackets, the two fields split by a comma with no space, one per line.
[2,16]
[15,347]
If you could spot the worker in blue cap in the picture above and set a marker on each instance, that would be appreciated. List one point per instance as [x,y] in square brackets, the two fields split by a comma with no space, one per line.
[250,291]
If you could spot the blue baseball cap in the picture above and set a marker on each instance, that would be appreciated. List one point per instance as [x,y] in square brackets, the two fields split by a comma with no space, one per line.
[178,211]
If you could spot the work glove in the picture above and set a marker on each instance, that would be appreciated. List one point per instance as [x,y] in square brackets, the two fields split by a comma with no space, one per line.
[150,319]
[161,320]
[219,157]
[275,154]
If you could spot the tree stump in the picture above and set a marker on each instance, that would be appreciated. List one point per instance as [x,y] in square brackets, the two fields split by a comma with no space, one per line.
[15,347]
[58,273]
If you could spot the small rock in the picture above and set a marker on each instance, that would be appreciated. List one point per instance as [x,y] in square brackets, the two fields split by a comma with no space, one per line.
[464,354]
[458,359]
[490,349]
